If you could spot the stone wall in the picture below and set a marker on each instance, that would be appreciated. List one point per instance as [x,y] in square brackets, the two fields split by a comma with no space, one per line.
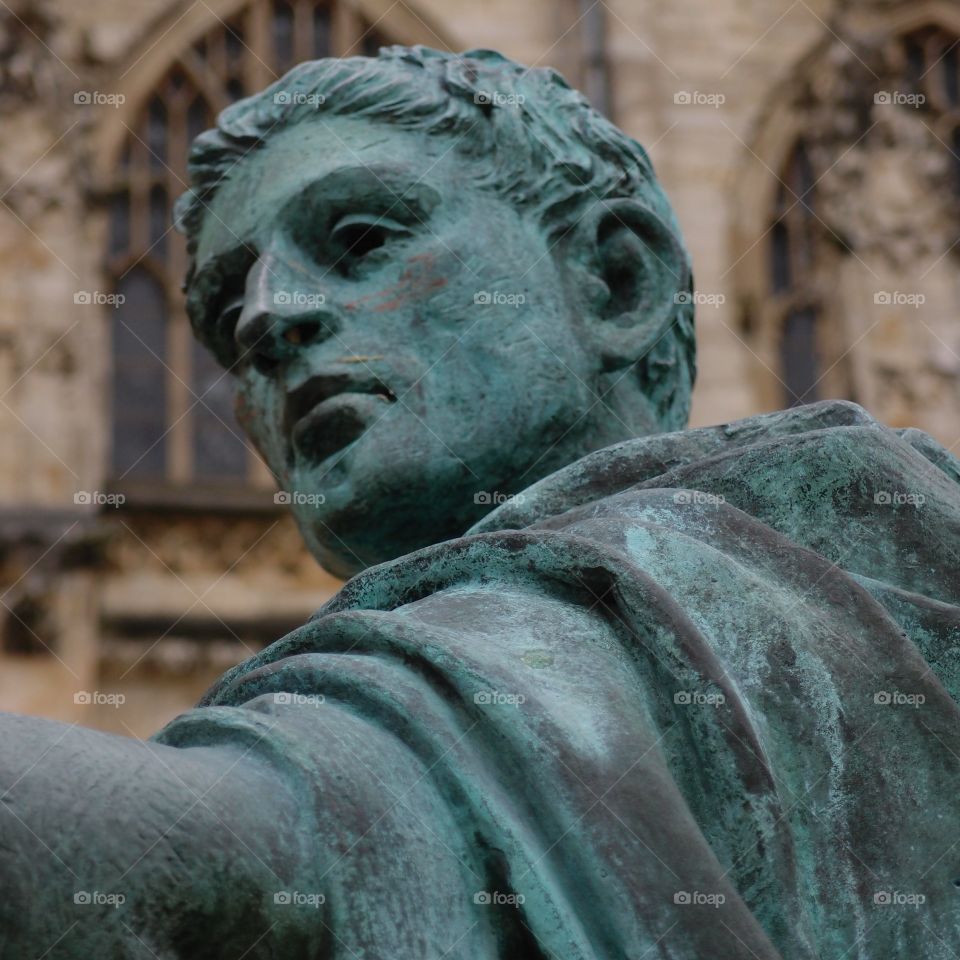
[149,603]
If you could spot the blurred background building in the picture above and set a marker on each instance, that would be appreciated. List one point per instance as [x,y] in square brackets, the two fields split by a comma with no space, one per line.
[809,147]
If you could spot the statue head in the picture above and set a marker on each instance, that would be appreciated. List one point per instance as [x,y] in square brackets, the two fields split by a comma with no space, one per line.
[436,279]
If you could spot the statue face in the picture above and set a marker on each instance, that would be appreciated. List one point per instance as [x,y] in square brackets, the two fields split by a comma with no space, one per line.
[407,352]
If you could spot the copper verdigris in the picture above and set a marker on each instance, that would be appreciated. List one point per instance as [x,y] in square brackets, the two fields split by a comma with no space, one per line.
[601,686]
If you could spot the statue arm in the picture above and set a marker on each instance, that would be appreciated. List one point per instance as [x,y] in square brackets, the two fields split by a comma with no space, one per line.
[110,842]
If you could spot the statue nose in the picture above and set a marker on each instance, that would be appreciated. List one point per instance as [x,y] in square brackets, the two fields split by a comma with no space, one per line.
[279,319]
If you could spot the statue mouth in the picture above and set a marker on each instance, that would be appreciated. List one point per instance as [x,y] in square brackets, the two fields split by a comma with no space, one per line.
[326,414]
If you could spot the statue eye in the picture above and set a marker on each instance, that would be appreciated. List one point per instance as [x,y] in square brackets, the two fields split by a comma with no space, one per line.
[357,235]
[215,301]
[229,317]
[224,331]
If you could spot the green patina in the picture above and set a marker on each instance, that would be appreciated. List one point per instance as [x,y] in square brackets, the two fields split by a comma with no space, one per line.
[601,686]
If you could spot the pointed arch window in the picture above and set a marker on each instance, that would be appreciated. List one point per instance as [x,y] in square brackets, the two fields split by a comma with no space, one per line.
[172,407]
[930,65]
[793,236]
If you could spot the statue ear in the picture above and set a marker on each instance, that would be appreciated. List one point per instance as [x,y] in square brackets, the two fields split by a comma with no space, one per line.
[637,275]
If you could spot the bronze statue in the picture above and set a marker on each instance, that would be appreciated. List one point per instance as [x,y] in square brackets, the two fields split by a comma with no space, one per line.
[602,687]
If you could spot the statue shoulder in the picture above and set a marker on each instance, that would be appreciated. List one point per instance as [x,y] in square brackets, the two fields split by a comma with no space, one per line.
[615,469]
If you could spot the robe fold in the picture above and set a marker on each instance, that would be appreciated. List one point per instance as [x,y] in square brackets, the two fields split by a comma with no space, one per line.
[695,695]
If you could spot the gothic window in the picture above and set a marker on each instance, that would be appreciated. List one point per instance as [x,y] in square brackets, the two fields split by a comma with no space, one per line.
[791,252]
[865,199]
[931,66]
[930,63]
[172,407]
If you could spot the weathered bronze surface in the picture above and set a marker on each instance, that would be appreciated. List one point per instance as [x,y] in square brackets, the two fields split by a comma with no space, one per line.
[602,687]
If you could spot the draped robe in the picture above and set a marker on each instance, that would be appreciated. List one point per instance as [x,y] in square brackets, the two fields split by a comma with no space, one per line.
[692,696]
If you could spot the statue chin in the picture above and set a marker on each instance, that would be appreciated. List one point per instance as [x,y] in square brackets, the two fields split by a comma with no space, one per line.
[385,496]
[343,558]
[350,532]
